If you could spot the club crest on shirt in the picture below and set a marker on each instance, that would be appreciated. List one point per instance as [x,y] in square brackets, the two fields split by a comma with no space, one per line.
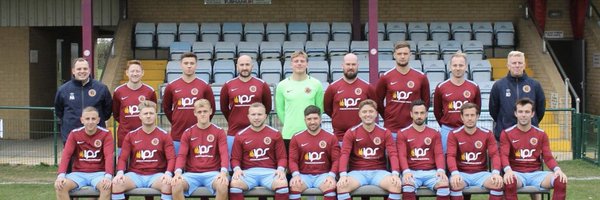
[377,141]
[410,84]
[210,138]
[92,93]
[252,88]
[97,143]
[467,94]
[533,141]
[357,91]
[427,141]
[478,144]
[526,88]
[322,144]
[154,141]
[267,140]
[194,91]
[307,90]
[141,98]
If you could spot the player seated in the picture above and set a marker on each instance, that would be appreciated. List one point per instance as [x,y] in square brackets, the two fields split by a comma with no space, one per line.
[522,148]
[469,147]
[92,149]
[258,157]
[421,156]
[313,157]
[149,150]
[203,156]
[364,153]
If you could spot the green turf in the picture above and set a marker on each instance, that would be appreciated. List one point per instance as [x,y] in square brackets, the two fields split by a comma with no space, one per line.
[36,182]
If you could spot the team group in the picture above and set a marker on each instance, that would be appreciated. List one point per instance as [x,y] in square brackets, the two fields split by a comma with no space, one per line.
[403,155]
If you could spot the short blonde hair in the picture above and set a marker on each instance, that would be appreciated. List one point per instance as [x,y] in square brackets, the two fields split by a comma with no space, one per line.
[202,103]
[367,102]
[459,54]
[89,109]
[299,53]
[516,54]
[147,104]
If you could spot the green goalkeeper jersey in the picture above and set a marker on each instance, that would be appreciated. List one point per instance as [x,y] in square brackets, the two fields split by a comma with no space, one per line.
[291,98]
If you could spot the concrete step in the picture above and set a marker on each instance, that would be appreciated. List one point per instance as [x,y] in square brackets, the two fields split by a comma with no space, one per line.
[150,75]
[154,64]
[549,117]
[499,69]
[560,145]
[553,131]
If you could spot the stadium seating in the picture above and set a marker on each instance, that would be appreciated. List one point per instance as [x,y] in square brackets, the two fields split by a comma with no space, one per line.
[316,50]
[225,51]
[270,50]
[396,31]
[380,31]
[232,32]
[204,70]
[319,70]
[298,31]
[271,71]
[363,70]
[435,70]
[386,65]
[248,48]
[290,47]
[449,48]
[203,50]
[335,68]
[210,32]
[440,31]
[428,50]
[144,35]
[505,34]
[223,70]
[461,31]
[341,31]
[483,32]
[176,49]
[337,49]
[415,64]
[320,31]
[418,31]
[473,49]
[276,32]
[216,89]
[165,34]
[481,70]
[188,32]
[254,32]
[386,50]
[360,48]
[413,49]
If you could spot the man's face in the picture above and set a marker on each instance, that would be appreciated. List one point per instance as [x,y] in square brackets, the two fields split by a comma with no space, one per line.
[135,73]
[188,65]
[203,114]
[244,66]
[148,116]
[90,120]
[458,67]
[516,66]
[81,71]
[469,117]
[313,122]
[257,116]
[402,56]
[350,66]
[299,65]
[418,114]
[367,114]
[524,114]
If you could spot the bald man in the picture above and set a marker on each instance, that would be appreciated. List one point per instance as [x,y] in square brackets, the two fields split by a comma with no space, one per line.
[343,96]
[239,93]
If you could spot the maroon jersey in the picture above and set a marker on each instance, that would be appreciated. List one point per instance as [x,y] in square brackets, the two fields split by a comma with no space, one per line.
[420,150]
[469,153]
[147,153]
[364,150]
[203,150]
[341,104]
[264,148]
[90,153]
[523,150]
[125,108]
[178,103]
[314,154]
[236,98]
[448,98]
[397,91]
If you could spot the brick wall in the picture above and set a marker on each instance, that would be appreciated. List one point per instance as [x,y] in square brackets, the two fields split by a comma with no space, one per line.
[14,73]
[592,36]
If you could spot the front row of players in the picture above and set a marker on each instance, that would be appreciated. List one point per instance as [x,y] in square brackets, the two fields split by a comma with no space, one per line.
[259,157]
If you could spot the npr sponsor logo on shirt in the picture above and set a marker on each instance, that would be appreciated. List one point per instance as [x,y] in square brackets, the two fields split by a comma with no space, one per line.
[368,152]
[525,154]
[313,156]
[401,96]
[243,99]
[418,153]
[145,154]
[186,101]
[258,154]
[89,154]
[202,151]
[470,156]
[347,103]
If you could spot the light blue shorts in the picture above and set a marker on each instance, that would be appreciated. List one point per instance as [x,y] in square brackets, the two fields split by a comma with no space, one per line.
[83,179]
[444,131]
[532,178]
[475,179]
[259,176]
[229,148]
[196,180]
[425,178]
[313,181]
[143,181]
[369,177]
[176,145]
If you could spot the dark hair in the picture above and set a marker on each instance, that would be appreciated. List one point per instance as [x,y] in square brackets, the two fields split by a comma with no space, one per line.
[525,101]
[312,109]
[418,102]
[76,60]
[469,105]
[189,55]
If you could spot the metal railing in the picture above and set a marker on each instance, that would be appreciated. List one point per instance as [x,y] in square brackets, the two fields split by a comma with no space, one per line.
[586,141]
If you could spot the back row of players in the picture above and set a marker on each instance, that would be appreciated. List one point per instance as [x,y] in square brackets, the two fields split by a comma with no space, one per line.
[396,89]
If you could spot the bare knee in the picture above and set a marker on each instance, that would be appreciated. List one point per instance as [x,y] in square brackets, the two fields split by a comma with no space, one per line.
[279,184]
[238,184]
